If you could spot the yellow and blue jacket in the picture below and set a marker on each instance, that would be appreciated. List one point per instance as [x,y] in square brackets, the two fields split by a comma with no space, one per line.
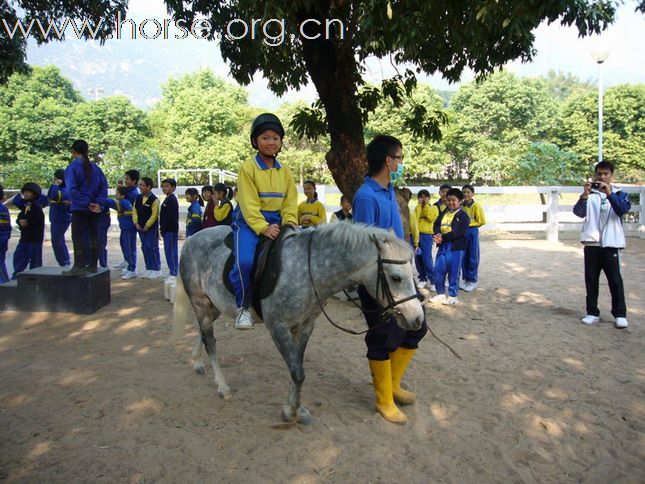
[426,217]
[476,214]
[224,213]
[315,209]
[261,188]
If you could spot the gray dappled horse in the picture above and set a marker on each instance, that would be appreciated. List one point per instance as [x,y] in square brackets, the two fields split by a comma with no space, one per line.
[340,255]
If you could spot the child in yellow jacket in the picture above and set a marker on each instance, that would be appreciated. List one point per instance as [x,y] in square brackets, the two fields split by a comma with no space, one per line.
[311,212]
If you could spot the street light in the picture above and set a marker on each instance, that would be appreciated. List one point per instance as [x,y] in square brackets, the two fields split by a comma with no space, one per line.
[95,91]
[599,56]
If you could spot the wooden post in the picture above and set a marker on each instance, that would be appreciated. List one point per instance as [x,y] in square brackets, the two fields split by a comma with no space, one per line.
[552,215]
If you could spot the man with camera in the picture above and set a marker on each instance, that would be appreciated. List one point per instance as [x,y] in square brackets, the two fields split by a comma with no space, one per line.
[602,206]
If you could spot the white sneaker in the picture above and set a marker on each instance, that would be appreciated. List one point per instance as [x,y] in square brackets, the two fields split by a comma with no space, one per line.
[590,319]
[463,285]
[439,298]
[421,284]
[154,275]
[129,275]
[451,301]
[171,279]
[122,265]
[431,288]
[244,320]
[621,323]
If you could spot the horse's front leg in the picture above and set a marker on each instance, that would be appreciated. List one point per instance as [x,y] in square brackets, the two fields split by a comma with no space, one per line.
[292,348]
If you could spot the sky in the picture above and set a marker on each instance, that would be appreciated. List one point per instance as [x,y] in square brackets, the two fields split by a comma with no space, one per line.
[138,68]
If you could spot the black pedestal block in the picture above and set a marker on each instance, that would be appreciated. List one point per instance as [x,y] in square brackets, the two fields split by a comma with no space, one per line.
[46,289]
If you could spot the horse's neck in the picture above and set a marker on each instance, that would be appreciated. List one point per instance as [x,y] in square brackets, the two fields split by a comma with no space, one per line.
[335,268]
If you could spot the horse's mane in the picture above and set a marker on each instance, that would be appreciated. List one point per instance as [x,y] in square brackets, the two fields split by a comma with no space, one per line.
[356,236]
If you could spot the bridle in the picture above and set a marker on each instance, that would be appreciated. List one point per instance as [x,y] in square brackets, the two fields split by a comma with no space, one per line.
[382,289]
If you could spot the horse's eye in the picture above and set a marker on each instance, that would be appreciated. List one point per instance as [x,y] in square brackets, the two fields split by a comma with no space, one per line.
[396,278]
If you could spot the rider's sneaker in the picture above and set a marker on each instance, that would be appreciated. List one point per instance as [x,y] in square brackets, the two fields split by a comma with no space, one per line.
[244,320]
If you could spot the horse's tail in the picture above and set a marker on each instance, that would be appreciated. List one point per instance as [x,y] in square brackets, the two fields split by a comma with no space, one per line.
[182,310]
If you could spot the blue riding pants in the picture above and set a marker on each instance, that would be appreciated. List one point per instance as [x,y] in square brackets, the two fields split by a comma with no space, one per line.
[245,242]
[447,262]
[470,264]
[58,229]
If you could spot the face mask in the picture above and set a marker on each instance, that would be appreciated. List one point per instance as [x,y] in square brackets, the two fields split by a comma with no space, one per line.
[397,175]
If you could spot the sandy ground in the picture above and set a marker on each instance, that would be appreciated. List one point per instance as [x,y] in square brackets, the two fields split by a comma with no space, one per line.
[536,397]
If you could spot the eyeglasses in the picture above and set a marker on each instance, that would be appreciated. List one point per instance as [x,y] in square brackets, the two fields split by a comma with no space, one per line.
[398,157]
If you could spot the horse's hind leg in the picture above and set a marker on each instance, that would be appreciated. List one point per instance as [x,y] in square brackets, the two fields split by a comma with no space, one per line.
[292,347]
[198,364]
[206,315]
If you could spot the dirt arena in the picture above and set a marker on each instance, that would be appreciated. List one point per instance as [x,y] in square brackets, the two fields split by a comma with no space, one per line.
[536,397]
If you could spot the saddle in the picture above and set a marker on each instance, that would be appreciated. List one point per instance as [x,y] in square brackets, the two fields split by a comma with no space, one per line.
[267,261]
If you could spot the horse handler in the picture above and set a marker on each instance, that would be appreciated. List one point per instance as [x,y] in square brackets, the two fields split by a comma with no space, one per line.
[389,348]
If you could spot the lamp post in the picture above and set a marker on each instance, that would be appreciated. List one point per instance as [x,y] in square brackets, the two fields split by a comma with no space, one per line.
[599,56]
[95,91]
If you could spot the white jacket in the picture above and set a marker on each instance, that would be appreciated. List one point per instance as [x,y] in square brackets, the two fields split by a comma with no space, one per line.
[602,226]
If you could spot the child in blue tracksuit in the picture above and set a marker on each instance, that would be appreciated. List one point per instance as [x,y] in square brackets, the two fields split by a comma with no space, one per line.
[60,217]
[267,199]
[128,237]
[470,264]
[146,220]
[31,221]
[169,226]
[5,234]
[450,236]
[194,215]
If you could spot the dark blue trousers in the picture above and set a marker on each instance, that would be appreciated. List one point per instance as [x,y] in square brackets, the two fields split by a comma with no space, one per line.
[58,229]
[171,250]
[424,261]
[448,262]
[27,254]
[386,338]
[470,264]
[104,226]
[4,246]
[150,249]
[128,241]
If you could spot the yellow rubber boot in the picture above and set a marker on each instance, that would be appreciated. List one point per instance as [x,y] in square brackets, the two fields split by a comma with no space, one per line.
[382,378]
[400,359]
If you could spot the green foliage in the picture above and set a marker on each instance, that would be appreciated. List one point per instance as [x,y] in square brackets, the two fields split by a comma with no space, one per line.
[623,129]
[546,164]
[202,121]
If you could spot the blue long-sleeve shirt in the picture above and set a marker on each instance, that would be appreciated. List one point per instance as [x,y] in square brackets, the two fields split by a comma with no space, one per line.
[618,200]
[5,223]
[133,193]
[84,191]
[375,205]
[124,211]
[59,211]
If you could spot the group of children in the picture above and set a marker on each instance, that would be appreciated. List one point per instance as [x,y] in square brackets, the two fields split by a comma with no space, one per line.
[452,224]
[139,211]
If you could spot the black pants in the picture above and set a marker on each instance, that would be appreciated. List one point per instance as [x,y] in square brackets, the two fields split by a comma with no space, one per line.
[83,223]
[386,338]
[604,259]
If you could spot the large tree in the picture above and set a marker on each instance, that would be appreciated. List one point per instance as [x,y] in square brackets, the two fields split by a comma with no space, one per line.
[431,36]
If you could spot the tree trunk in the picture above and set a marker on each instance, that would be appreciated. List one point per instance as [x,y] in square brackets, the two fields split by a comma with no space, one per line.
[333,70]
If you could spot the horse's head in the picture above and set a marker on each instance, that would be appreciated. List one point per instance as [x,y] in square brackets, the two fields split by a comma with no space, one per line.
[390,281]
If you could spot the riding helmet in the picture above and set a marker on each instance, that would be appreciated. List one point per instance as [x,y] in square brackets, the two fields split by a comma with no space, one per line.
[31,187]
[265,122]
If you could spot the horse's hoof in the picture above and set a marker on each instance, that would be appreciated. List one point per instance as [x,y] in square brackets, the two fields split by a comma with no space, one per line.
[304,417]
[199,368]
[225,394]
[288,415]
